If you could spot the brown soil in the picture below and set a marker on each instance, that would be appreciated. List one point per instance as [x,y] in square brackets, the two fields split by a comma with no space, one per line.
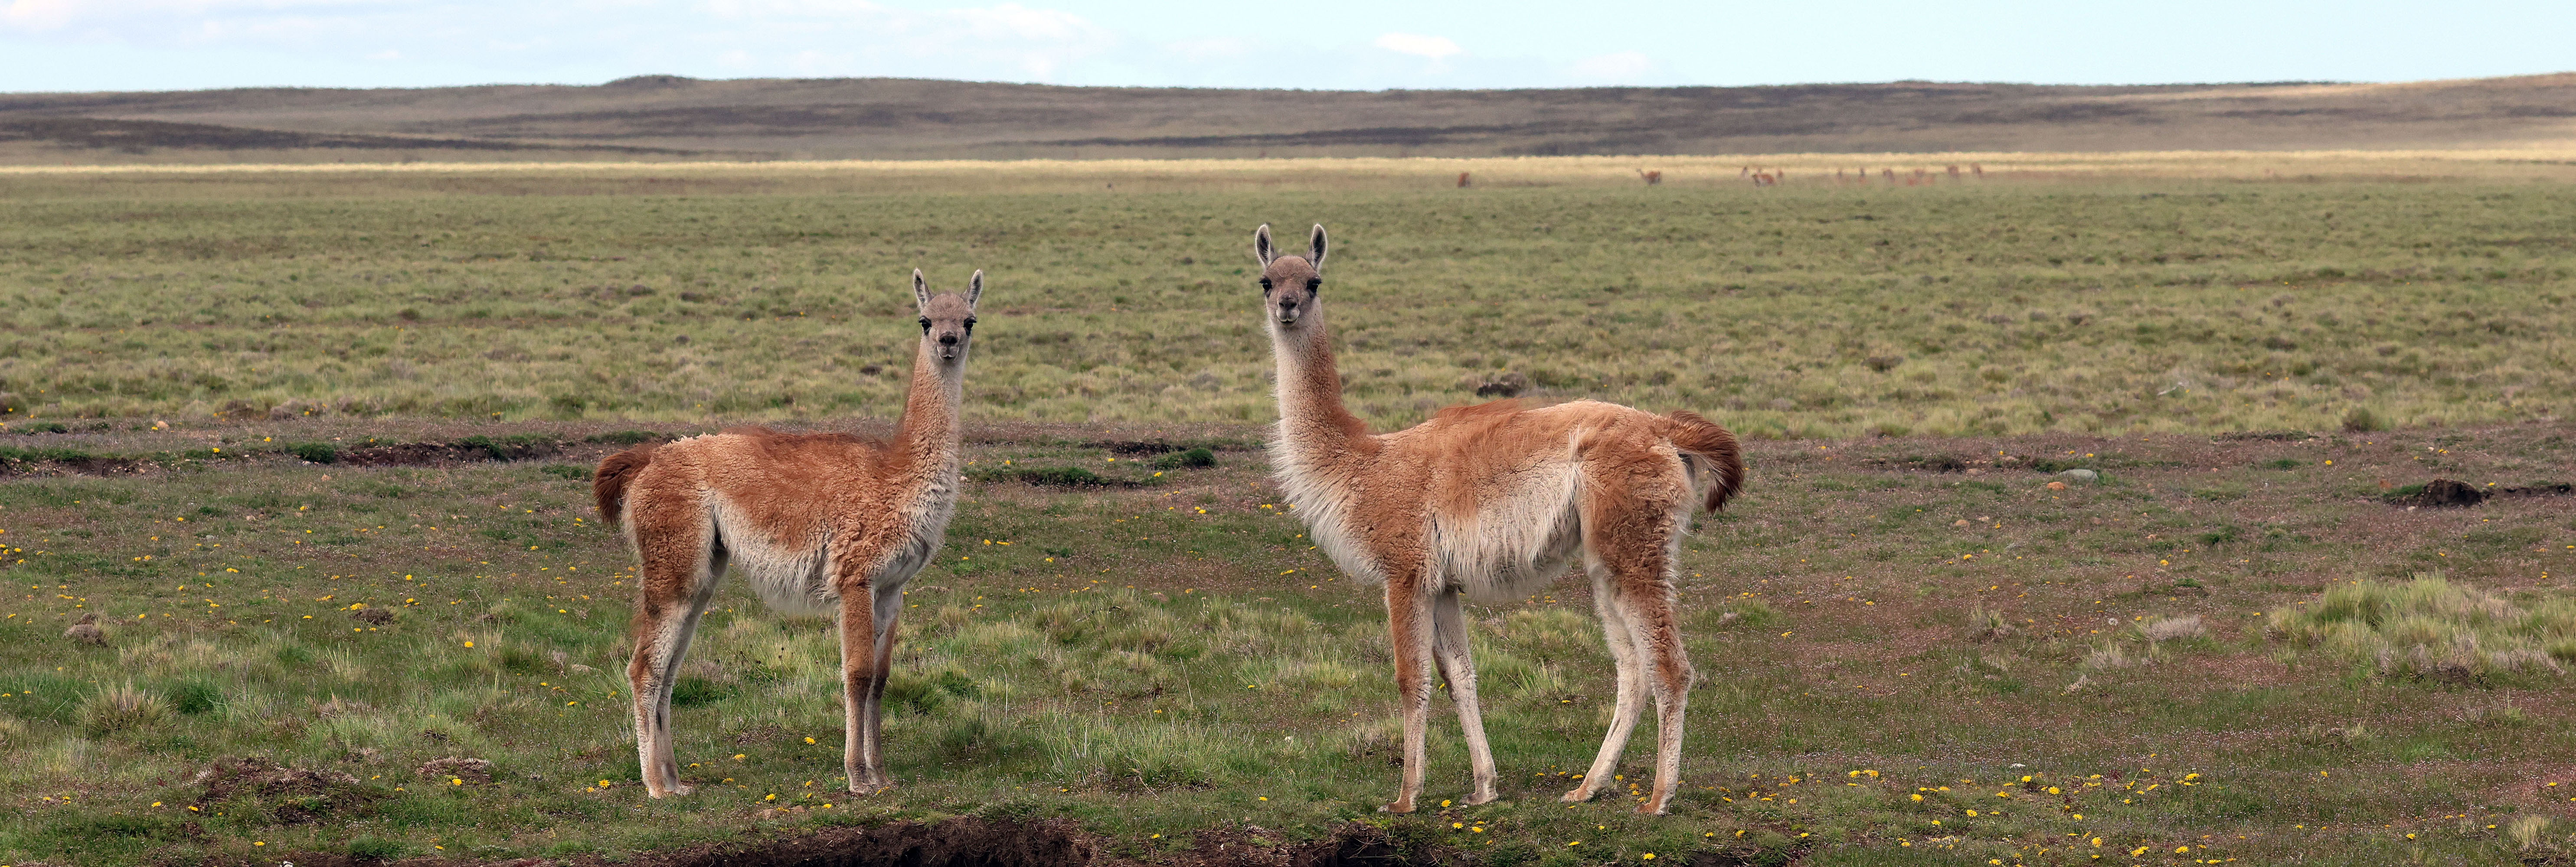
[976,842]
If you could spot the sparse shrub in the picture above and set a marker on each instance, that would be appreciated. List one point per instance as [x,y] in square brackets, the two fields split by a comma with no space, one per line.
[122,708]
[376,849]
[1197,457]
[320,453]
[1984,625]
[2361,420]
[1883,363]
[2352,735]
[2506,715]
[567,471]
[510,448]
[2110,655]
[691,691]
[1747,612]
[520,660]
[2525,831]
[1063,477]
[2172,628]
[2219,493]
[194,697]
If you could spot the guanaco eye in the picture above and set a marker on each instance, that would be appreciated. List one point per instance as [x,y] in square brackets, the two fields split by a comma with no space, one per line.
[1265,284]
[925,325]
[970,323]
[1314,283]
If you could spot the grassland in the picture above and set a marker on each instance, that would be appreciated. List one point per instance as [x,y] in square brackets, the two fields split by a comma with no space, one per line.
[1159,664]
[1811,309]
[1879,619]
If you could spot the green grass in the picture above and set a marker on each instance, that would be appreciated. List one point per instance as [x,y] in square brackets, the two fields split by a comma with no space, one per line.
[1129,634]
[1172,657]
[2100,307]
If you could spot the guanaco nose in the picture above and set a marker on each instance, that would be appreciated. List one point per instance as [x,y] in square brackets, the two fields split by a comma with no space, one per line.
[1287,305]
[947,340]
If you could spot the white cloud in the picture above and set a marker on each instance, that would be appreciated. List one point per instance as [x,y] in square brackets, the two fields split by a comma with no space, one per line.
[1433,47]
[1625,67]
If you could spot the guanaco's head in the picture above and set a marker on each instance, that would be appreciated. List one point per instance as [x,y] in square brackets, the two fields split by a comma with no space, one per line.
[1290,285]
[947,319]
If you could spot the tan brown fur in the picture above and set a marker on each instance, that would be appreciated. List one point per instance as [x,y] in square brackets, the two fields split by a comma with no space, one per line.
[816,522]
[1492,502]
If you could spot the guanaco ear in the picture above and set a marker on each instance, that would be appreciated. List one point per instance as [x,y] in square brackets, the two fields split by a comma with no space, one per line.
[920,291]
[974,288]
[1261,247]
[1315,251]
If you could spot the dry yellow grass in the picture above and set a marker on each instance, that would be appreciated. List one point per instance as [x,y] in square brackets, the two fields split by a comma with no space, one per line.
[2551,162]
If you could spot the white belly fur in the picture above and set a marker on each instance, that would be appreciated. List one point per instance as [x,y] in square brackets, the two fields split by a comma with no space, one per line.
[795,576]
[1513,545]
[1510,547]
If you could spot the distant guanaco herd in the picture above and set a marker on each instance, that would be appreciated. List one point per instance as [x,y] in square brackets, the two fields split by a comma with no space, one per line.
[1488,503]
[1771,177]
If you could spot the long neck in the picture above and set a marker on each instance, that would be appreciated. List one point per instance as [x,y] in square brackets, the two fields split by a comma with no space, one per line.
[926,438]
[1311,416]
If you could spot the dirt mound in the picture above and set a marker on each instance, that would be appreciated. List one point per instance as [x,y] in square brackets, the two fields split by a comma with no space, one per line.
[256,775]
[2448,492]
[963,842]
[295,796]
[977,842]
[452,767]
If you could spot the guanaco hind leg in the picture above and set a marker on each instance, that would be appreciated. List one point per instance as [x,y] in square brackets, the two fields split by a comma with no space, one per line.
[679,577]
[1631,696]
[1653,625]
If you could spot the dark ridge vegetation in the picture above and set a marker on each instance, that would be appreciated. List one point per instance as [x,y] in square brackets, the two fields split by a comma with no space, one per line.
[674,116]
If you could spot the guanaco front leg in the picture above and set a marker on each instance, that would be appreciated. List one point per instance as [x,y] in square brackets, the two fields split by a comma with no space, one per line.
[1458,667]
[888,603]
[1408,618]
[859,676]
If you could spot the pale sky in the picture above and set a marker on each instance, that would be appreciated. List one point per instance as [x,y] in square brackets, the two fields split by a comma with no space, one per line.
[79,45]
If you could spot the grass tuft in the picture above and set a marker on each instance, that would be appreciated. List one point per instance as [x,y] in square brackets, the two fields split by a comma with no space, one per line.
[2164,629]
[2430,628]
[122,708]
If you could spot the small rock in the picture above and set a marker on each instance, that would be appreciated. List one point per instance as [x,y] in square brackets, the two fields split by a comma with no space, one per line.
[1962,522]
[578,668]
[86,631]
[2081,476]
[2057,486]
[1159,597]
